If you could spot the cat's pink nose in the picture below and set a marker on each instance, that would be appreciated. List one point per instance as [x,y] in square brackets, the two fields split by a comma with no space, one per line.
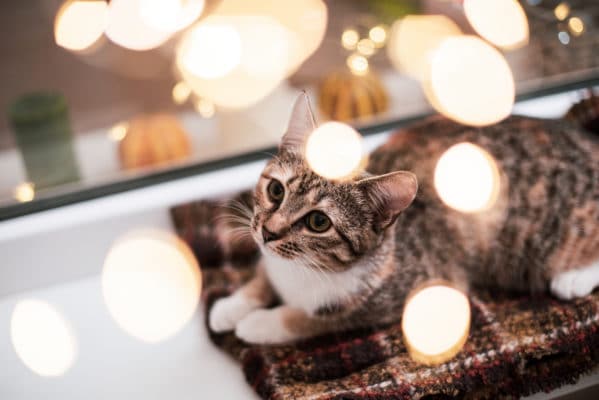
[268,235]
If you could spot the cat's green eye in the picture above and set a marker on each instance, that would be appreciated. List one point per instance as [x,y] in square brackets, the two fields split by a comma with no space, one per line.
[276,191]
[318,221]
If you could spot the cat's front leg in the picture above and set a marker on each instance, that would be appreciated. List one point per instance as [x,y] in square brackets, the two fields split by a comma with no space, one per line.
[228,311]
[281,324]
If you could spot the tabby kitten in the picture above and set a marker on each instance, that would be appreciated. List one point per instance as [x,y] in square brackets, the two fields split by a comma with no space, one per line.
[342,255]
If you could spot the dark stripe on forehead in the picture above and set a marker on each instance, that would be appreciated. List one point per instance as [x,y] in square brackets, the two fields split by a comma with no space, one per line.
[307,183]
[319,196]
[351,245]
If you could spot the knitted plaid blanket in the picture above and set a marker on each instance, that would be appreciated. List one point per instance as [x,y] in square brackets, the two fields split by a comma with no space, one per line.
[517,345]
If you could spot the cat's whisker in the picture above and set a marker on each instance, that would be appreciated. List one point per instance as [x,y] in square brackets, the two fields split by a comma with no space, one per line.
[239,206]
[233,222]
[244,217]
[227,217]
[239,233]
[234,218]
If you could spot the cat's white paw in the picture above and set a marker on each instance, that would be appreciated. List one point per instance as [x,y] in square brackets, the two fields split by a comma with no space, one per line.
[228,311]
[264,327]
[572,284]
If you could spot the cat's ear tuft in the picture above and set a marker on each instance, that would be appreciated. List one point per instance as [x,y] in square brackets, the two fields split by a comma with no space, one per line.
[390,194]
[301,124]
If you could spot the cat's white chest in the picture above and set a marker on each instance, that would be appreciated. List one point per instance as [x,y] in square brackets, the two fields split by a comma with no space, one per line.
[307,288]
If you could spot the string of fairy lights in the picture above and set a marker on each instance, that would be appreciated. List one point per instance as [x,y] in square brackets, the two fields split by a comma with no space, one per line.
[568,17]
[363,44]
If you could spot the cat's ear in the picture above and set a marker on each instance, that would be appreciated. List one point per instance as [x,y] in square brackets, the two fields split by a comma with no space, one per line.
[301,124]
[390,194]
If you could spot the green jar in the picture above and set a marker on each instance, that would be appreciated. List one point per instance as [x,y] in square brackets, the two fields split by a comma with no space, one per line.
[41,126]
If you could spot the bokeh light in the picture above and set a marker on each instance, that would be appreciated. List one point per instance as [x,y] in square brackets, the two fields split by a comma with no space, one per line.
[435,323]
[79,24]
[334,151]
[413,40]
[470,81]
[151,284]
[378,34]
[576,26]
[243,50]
[563,37]
[42,338]
[24,192]
[127,28]
[233,61]
[467,178]
[501,22]
[357,64]
[118,131]
[561,11]
[170,15]
[304,23]
[211,50]
[366,47]
[205,108]
[349,39]
[181,92]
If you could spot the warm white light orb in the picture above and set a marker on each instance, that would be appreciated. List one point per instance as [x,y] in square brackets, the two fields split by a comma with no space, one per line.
[233,61]
[127,28]
[576,26]
[211,50]
[413,40]
[304,23]
[435,323]
[151,284]
[357,64]
[366,47]
[79,24]
[118,131]
[205,108]
[170,15]
[24,192]
[562,10]
[349,39]
[181,92]
[264,54]
[467,178]
[334,151]
[501,22]
[244,49]
[42,338]
[378,34]
[470,81]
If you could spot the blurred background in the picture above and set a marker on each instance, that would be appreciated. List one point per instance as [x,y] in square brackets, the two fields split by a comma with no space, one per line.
[99,97]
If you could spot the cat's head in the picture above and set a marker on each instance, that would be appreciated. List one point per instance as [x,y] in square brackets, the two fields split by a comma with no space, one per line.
[301,216]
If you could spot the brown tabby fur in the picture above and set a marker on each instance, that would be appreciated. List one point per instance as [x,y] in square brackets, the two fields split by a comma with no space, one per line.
[545,221]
